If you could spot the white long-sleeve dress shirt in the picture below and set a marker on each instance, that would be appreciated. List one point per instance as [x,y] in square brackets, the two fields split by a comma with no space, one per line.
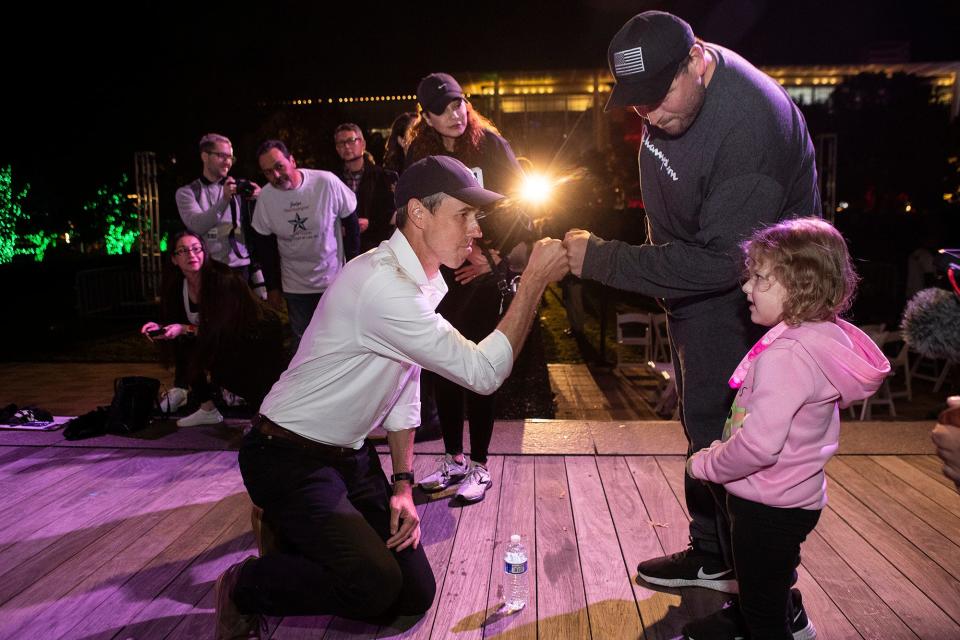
[358,365]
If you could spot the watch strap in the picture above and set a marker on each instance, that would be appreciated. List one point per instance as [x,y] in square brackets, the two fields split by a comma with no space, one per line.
[403,475]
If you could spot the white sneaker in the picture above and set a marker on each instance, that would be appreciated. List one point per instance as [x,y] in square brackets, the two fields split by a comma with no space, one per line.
[475,484]
[449,472]
[201,416]
[173,399]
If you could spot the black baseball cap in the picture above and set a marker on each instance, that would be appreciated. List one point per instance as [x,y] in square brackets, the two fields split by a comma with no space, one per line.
[436,91]
[644,57]
[442,174]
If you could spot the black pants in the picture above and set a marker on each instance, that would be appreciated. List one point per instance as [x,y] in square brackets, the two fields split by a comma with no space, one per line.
[481,411]
[766,554]
[474,310]
[708,342]
[332,518]
[184,374]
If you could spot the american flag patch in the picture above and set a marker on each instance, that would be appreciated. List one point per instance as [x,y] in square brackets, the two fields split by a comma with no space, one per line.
[628,62]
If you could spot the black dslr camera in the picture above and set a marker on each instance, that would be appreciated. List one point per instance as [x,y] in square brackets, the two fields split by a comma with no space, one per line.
[245,188]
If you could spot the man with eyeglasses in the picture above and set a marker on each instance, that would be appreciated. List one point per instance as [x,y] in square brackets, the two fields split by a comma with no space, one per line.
[211,207]
[310,214]
[348,541]
[371,184]
[723,150]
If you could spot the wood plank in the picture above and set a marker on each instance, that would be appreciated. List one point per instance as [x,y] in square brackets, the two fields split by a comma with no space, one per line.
[660,481]
[576,393]
[180,597]
[199,623]
[606,577]
[9,455]
[667,516]
[661,437]
[914,608]
[893,437]
[128,609]
[827,618]
[78,519]
[31,483]
[868,614]
[638,541]
[462,604]
[561,603]
[438,529]
[94,573]
[211,484]
[927,575]
[947,497]
[940,548]
[674,469]
[933,467]
[516,515]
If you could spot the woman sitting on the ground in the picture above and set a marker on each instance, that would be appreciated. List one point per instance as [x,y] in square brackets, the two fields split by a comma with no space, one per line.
[213,325]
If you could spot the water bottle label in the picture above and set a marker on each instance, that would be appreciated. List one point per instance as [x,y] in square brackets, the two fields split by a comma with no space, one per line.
[512,568]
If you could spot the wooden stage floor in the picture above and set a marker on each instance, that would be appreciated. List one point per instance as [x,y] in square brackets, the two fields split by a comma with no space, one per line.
[127,541]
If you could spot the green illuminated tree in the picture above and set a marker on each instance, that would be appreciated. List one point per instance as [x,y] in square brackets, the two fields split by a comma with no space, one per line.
[111,215]
[11,212]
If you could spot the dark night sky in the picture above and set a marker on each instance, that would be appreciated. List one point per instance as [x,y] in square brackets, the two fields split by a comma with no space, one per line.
[87,87]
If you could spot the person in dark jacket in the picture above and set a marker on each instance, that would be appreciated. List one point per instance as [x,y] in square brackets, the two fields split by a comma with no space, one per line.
[371,184]
[449,125]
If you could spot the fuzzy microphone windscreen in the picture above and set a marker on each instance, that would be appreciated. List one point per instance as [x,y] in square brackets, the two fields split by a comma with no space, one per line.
[931,324]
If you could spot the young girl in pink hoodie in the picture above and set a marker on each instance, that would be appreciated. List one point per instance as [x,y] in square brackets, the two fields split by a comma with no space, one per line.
[784,424]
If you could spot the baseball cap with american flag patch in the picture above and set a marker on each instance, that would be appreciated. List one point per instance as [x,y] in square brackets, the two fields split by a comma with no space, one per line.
[644,57]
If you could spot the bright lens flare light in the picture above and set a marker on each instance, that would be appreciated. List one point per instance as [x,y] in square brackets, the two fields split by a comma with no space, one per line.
[536,188]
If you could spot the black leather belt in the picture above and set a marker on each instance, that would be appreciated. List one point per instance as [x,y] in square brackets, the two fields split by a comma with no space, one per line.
[271,429]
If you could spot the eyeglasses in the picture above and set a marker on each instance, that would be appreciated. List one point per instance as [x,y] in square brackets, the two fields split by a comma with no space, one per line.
[195,249]
[347,142]
[222,155]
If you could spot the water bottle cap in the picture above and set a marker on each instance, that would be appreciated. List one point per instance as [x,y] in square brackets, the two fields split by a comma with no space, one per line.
[515,539]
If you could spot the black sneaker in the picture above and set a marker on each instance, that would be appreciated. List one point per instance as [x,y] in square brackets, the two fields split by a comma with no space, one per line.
[800,625]
[689,568]
[725,624]
[728,623]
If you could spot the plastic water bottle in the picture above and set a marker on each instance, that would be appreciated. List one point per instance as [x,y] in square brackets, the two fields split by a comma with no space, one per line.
[516,580]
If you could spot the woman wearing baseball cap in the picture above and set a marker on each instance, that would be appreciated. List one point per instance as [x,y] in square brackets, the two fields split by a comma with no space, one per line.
[448,125]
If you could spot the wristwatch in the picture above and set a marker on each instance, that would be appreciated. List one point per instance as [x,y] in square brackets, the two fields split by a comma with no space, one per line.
[403,475]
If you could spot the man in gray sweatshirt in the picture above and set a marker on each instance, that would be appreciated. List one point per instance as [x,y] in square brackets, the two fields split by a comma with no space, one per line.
[724,151]
[211,207]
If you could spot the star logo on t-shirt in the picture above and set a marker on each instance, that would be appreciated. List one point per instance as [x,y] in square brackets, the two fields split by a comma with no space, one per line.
[299,224]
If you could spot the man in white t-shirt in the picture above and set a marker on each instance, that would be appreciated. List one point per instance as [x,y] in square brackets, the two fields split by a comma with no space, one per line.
[305,209]
[348,541]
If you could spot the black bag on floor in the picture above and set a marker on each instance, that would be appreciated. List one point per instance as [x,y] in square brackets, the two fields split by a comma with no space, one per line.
[90,425]
[134,399]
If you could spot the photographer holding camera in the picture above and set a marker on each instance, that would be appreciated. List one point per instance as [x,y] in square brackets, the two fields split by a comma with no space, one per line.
[215,206]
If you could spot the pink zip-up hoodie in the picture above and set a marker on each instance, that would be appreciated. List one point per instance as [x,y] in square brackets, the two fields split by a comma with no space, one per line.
[784,424]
